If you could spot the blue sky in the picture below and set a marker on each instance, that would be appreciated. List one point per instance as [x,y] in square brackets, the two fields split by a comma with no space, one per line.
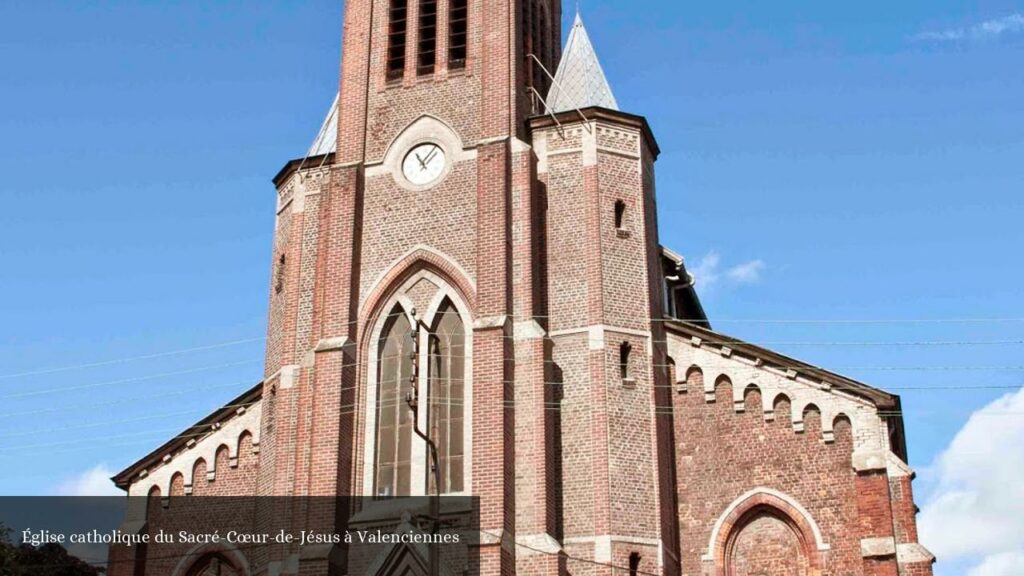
[821,161]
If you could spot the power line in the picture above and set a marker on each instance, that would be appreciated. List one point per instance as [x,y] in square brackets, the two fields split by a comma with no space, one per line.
[453,401]
[41,371]
[961,320]
[635,318]
[187,434]
[353,409]
[362,364]
[32,393]
[147,398]
[873,343]
[865,343]
[148,417]
[574,558]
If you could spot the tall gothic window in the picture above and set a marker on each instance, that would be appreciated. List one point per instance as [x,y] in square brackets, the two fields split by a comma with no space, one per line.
[447,396]
[397,27]
[458,18]
[394,420]
[428,37]
[429,360]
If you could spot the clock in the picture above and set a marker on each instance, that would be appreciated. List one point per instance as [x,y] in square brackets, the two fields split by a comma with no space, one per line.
[424,164]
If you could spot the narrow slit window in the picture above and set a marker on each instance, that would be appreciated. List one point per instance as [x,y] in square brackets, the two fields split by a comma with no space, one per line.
[620,214]
[458,18]
[279,275]
[428,37]
[397,28]
[634,564]
[625,351]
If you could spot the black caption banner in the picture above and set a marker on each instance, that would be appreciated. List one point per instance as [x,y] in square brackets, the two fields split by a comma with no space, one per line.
[238,536]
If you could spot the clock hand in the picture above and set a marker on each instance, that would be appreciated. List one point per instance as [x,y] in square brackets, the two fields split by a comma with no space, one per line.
[432,154]
[423,165]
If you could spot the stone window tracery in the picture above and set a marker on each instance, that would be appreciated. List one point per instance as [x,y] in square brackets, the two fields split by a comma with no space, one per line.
[424,358]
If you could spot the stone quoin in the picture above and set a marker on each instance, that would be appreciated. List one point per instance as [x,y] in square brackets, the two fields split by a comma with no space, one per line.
[475,225]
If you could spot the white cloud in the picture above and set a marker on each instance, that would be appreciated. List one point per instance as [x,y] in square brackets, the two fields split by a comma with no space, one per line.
[976,513]
[1008,564]
[1012,24]
[708,271]
[747,273]
[93,482]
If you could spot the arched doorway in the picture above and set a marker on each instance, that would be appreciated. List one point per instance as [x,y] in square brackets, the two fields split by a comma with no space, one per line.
[766,543]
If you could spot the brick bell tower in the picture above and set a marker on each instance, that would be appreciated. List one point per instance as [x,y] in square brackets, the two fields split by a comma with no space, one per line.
[453,169]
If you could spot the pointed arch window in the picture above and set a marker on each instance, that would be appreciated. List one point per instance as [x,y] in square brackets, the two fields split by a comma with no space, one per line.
[447,397]
[394,420]
[428,357]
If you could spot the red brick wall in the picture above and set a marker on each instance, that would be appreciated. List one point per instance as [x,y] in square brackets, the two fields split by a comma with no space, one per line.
[767,545]
[722,455]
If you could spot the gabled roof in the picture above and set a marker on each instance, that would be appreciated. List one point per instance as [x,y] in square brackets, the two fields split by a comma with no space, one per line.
[579,81]
[782,363]
[124,478]
[326,140]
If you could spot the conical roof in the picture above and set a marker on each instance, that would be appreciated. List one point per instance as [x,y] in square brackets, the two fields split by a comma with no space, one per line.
[326,140]
[580,81]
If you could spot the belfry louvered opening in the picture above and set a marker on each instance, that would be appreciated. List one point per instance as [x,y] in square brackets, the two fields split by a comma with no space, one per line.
[458,20]
[428,37]
[540,45]
[397,28]
[536,42]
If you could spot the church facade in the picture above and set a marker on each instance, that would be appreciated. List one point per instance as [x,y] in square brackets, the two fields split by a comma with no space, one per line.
[470,248]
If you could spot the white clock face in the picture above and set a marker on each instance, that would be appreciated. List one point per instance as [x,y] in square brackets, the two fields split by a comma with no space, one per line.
[424,164]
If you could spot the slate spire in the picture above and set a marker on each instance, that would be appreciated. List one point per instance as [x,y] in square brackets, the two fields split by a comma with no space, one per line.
[580,81]
[326,140]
